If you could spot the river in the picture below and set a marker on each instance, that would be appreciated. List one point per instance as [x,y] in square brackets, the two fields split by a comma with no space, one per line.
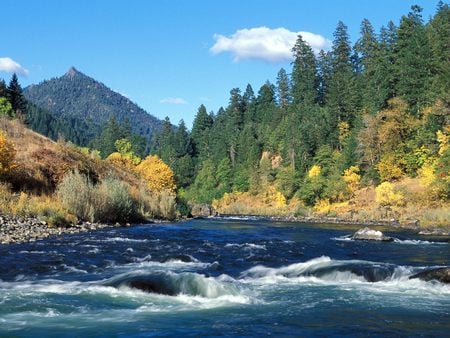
[223,277]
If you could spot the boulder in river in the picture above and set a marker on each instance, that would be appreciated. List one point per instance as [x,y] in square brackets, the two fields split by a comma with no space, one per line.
[367,234]
[439,274]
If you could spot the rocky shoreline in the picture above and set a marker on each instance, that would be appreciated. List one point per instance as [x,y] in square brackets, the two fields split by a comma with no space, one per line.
[29,229]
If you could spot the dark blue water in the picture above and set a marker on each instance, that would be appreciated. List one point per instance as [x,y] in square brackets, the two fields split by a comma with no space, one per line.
[223,277]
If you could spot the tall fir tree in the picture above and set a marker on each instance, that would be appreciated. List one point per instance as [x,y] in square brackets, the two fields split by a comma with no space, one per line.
[439,34]
[324,69]
[342,95]
[283,89]
[304,76]
[367,49]
[15,96]
[200,133]
[413,61]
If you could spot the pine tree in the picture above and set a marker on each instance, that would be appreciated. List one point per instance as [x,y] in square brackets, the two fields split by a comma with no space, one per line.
[439,34]
[413,60]
[342,98]
[324,68]
[249,104]
[3,88]
[304,77]
[200,133]
[283,89]
[367,48]
[16,98]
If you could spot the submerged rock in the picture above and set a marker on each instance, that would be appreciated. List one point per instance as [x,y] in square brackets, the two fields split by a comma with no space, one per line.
[439,274]
[150,286]
[367,234]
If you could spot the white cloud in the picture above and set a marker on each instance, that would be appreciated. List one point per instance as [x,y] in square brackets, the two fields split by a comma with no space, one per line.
[10,66]
[173,100]
[274,45]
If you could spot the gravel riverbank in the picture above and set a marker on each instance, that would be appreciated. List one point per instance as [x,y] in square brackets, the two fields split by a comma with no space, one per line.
[27,229]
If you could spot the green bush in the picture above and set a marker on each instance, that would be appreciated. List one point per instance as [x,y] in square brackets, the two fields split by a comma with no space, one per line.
[157,204]
[113,202]
[76,193]
[108,201]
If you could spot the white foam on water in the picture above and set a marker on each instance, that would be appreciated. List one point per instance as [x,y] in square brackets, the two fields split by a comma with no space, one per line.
[246,246]
[339,272]
[73,269]
[348,238]
[122,239]
[418,242]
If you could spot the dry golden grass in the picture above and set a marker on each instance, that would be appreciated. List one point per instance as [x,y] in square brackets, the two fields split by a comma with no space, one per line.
[42,163]
[361,208]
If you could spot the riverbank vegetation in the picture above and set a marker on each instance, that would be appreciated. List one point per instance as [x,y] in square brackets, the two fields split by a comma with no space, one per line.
[360,132]
[64,184]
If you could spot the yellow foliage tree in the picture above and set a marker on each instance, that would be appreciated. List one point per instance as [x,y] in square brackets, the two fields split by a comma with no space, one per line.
[124,157]
[280,200]
[314,171]
[443,138]
[385,195]
[426,174]
[388,168]
[344,131]
[7,155]
[352,178]
[121,161]
[158,175]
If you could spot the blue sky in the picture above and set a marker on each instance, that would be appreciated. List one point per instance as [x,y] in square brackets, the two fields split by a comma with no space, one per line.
[171,56]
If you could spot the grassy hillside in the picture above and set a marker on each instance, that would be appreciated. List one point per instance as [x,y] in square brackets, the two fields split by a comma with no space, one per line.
[65,184]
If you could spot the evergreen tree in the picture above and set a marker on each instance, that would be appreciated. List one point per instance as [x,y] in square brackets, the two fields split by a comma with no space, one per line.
[16,98]
[3,88]
[200,133]
[304,77]
[342,94]
[250,104]
[385,73]
[324,68]
[367,48]
[112,132]
[283,89]
[439,32]
[413,60]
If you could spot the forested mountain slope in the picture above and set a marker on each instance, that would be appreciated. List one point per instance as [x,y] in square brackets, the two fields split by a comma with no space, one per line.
[85,105]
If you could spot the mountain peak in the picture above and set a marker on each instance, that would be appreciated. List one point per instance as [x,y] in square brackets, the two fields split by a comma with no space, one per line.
[72,72]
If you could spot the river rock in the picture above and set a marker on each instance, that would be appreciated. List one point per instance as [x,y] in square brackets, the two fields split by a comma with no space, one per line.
[202,210]
[367,234]
[439,274]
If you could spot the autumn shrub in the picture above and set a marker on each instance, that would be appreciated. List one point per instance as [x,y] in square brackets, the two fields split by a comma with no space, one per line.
[7,156]
[389,168]
[157,174]
[386,195]
[6,197]
[46,208]
[156,204]
[50,209]
[112,201]
[76,193]
[107,201]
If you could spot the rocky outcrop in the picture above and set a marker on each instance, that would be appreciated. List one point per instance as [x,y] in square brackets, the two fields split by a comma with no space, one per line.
[368,234]
[439,274]
[202,210]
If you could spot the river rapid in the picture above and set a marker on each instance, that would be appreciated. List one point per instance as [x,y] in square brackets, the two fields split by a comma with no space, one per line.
[223,277]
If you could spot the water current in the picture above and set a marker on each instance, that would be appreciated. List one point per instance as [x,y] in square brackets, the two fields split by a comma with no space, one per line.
[223,277]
